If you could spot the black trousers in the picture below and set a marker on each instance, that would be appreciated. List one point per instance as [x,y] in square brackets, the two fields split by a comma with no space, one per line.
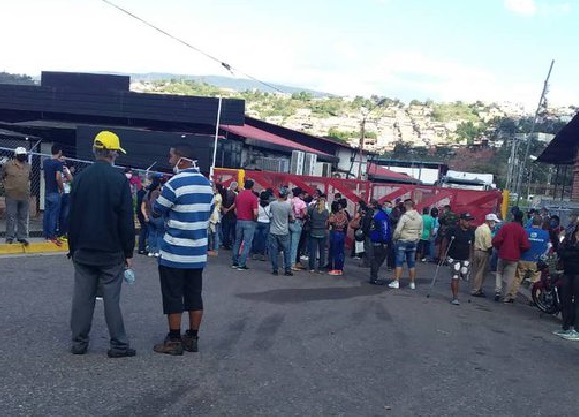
[228,225]
[377,256]
[570,302]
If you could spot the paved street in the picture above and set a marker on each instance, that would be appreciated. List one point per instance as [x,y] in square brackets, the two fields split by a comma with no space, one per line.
[275,346]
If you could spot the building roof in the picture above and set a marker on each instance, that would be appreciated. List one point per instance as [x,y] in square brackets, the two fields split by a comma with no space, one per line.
[253,133]
[378,172]
[563,148]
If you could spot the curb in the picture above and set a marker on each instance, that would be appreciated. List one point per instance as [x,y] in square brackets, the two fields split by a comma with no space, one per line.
[19,249]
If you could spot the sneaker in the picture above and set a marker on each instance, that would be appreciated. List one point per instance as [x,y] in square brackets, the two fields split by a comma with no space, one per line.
[394,285]
[334,272]
[289,273]
[412,286]
[455,302]
[572,335]
[497,296]
[151,255]
[377,282]
[173,347]
[242,268]
[126,353]
[190,343]
[235,266]
[424,260]
[563,333]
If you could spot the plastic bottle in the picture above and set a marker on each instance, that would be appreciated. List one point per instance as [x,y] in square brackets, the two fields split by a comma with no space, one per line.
[129,276]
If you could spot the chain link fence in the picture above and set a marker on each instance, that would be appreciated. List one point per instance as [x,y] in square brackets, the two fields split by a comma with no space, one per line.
[36,159]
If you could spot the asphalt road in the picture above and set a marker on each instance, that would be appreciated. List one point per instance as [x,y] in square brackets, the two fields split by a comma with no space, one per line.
[277,346]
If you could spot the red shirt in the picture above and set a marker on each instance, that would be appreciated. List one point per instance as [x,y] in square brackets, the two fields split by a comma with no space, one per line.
[246,203]
[511,240]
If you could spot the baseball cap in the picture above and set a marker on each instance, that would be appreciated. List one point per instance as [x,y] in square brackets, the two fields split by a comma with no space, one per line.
[491,218]
[20,151]
[466,216]
[108,140]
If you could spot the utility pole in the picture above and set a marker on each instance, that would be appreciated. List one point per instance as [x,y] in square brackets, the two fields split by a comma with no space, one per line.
[364,111]
[525,161]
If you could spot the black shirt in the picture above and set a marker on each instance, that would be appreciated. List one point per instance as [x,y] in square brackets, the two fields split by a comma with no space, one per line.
[460,247]
[102,226]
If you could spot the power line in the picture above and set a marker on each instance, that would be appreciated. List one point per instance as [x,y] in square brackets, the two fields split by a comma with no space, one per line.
[222,63]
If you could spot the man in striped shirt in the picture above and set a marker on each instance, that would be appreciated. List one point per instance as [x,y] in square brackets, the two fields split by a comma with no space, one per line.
[186,202]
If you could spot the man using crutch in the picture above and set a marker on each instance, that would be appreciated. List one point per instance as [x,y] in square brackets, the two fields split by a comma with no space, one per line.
[460,252]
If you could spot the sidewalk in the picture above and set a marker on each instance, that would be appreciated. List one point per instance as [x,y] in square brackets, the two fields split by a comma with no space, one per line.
[37,245]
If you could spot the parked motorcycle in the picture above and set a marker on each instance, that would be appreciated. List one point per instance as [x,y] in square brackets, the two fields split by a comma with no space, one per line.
[546,292]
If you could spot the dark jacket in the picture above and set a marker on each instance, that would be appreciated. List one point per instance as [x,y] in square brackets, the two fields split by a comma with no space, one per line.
[569,255]
[102,227]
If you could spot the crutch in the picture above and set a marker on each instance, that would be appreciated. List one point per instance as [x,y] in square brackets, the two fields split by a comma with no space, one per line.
[440,262]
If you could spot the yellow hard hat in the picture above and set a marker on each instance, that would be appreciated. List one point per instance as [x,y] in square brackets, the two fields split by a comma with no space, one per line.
[108,140]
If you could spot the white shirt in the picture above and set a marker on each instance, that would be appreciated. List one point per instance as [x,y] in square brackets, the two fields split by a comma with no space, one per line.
[263,214]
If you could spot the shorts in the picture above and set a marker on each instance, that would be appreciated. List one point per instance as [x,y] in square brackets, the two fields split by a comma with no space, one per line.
[406,252]
[181,289]
[460,270]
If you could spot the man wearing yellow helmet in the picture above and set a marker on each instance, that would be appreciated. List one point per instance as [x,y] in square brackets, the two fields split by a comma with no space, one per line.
[101,240]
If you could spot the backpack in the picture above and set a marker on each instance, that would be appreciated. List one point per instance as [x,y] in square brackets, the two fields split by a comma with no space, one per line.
[383,228]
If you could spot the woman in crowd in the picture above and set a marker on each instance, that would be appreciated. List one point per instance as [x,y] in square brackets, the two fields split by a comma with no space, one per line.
[261,236]
[318,217]
[155,223]
[215,221]
[338,226]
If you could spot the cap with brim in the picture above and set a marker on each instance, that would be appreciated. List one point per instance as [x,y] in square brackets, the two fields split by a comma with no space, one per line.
[491,218]
[466,216]
[20,151]
[108,140]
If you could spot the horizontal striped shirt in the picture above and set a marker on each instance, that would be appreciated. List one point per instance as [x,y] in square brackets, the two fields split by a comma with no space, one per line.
[186,201]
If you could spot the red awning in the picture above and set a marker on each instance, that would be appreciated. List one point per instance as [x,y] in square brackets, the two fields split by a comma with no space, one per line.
[377,171]
[250,132]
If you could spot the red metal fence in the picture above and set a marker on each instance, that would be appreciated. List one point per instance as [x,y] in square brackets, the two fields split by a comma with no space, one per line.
[477,203]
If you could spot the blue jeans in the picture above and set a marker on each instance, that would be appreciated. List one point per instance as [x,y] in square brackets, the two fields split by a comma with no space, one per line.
[280,243]
[295,236]
[51,213]
[337,255]
[406,251]
[143,234]
[213,237]
[63,214]
[156,234]
[260,239]
[244,231]
[494,259]
[315,244]
[228,225]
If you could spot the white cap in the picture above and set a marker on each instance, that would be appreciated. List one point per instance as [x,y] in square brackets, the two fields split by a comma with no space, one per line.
[20,151]
[491,218]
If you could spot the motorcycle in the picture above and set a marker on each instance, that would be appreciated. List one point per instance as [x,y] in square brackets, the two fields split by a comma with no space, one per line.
[546,291]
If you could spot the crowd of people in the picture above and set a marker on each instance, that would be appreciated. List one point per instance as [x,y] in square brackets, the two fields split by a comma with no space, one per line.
[186,218]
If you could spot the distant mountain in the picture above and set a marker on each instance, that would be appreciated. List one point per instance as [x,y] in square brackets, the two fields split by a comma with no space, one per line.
[237,84]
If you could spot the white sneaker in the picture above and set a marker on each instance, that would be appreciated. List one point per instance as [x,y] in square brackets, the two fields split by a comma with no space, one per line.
[394,285]
[412,286]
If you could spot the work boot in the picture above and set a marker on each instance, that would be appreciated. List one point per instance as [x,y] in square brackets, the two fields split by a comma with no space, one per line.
[170,346]
[125,353]
[190,343]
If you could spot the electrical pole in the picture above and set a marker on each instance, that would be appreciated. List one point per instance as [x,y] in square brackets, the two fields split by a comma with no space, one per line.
[525,161]
[364,111]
